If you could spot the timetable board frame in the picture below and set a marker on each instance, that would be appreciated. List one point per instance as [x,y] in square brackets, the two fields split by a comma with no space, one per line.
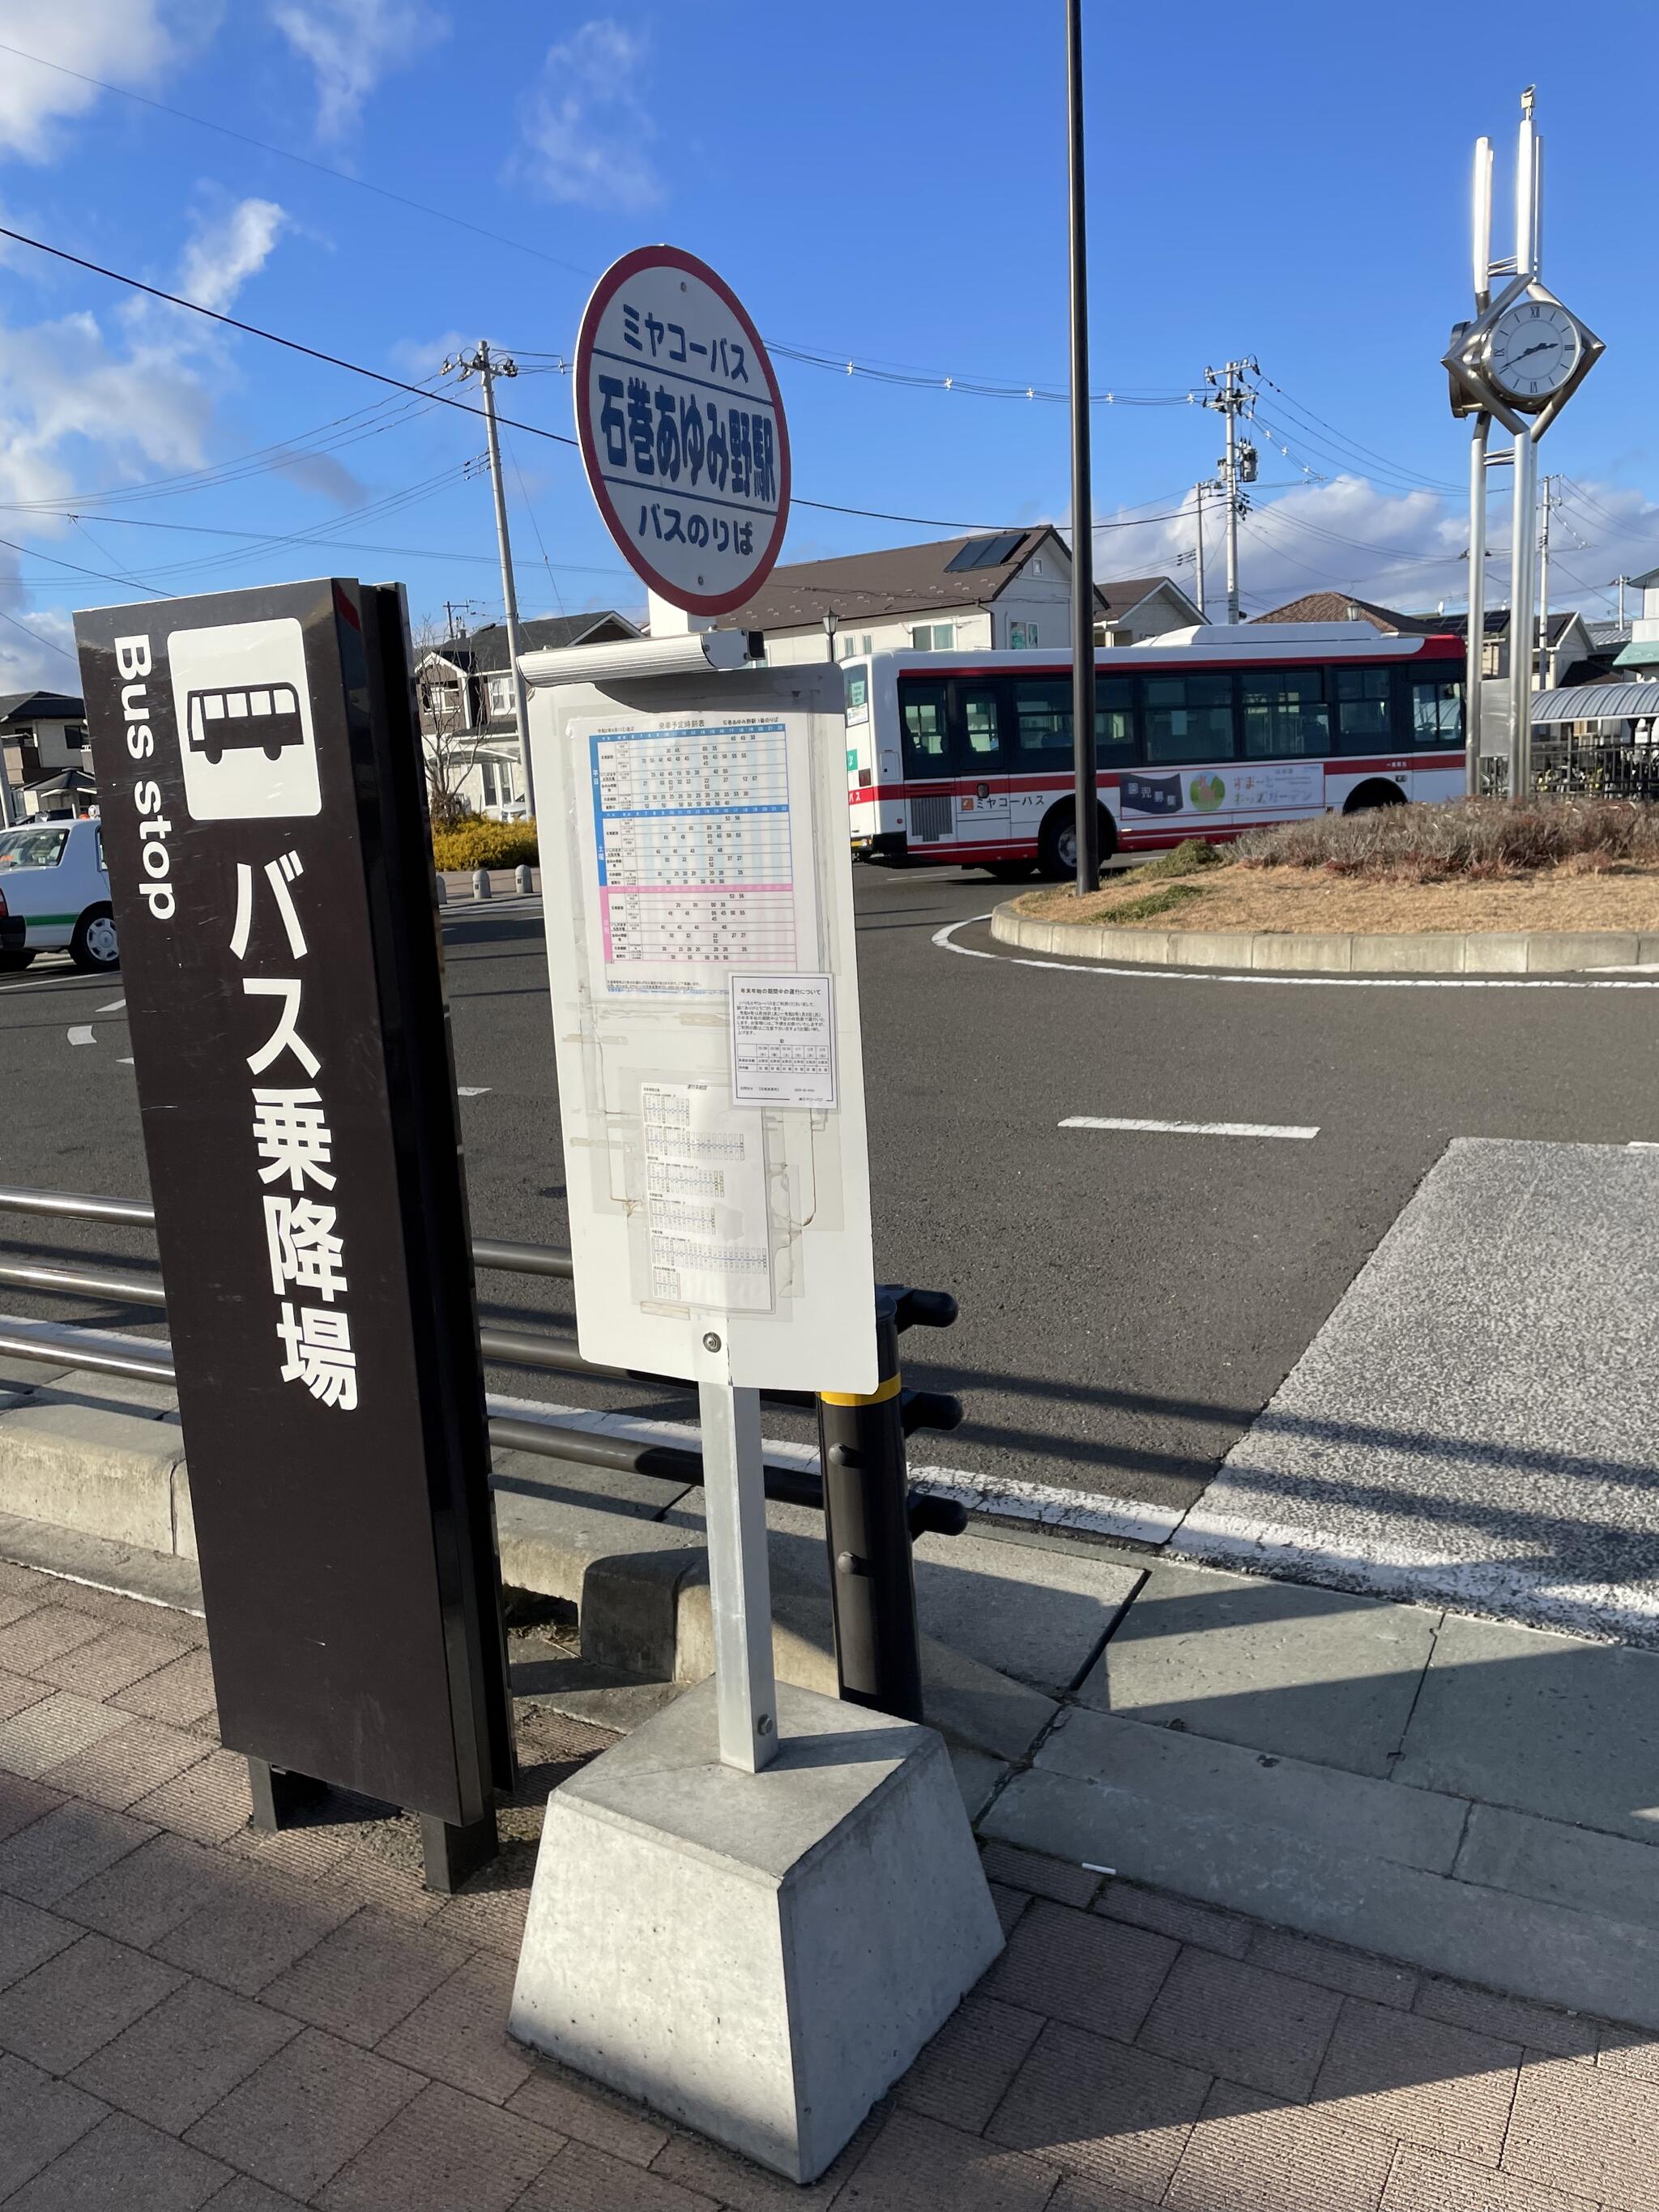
[696,856]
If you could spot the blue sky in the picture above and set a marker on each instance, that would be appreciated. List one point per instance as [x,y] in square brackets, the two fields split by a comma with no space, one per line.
[883,184]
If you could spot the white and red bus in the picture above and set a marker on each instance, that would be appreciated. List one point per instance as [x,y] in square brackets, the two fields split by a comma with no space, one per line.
[1207,732]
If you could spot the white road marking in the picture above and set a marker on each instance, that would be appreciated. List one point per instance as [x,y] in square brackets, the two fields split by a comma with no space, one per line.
[1189,1129]
[473,1090]
[944,939]
[52,975]
[114,1007]
[83,1034]
[1642,1145]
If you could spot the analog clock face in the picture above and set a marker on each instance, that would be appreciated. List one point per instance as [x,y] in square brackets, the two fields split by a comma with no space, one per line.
[1533,351]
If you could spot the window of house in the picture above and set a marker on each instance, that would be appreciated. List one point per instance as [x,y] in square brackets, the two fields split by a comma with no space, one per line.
[1490,653]
[864,642]
[486,779]
[501,695]
[933,637]
[74,736]
[1285,717]
[848,646]
[1189,718]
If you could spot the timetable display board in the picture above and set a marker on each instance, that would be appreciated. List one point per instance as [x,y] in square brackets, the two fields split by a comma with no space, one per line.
[705,994]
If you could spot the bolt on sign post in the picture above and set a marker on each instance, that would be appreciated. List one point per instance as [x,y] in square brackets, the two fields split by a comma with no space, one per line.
[265,823]
[703,963]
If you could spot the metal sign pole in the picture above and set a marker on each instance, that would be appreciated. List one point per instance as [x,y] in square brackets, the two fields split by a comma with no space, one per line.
[739,1581]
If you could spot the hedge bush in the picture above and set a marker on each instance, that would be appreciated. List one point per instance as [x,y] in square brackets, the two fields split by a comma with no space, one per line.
[1473,837]
[485,845]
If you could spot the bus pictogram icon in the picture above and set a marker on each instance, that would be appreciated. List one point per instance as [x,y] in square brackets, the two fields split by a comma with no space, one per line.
[263,715]
[244,718]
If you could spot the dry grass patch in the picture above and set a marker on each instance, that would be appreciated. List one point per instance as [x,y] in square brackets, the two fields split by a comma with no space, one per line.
[1620,896]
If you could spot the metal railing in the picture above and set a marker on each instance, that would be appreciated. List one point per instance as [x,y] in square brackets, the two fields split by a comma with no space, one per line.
[549,1437]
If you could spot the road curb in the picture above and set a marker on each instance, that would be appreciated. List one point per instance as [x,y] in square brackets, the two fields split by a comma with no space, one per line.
[1417,952]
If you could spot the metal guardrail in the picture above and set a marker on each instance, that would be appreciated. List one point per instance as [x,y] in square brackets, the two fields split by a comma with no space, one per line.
[906,1411]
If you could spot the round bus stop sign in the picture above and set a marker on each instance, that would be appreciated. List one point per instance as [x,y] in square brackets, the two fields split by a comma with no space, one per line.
[681,431]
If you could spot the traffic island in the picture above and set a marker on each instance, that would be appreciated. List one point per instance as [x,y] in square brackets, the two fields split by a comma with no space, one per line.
[1468,889]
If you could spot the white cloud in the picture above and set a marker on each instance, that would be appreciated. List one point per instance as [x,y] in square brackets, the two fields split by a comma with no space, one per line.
[584,127]
[85,404]
[126,42]
[225,253]
[353,44]
[37,649]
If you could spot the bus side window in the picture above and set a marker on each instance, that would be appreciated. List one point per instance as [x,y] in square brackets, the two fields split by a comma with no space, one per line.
[979,738]
[1189,718]
[1114,722]
[921,709]
[1436,715]
[1285,717]
[1364,716]
[1043,723]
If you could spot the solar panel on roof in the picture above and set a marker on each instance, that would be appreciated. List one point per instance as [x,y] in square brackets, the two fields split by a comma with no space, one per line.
[985,552]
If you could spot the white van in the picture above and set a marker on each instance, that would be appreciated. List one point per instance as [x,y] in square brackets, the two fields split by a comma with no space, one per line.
[54,895]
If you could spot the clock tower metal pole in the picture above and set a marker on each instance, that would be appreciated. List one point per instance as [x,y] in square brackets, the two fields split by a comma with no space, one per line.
[1523,538]
[1086,804]
[1474,659]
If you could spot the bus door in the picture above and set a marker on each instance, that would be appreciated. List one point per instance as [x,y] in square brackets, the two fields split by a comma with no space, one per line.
[924,733]
[980,758]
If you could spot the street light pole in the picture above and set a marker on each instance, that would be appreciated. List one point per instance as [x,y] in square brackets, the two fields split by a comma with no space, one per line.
[487,366]
[1085,812]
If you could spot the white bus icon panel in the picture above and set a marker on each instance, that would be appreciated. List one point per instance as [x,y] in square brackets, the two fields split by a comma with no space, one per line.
[244,719]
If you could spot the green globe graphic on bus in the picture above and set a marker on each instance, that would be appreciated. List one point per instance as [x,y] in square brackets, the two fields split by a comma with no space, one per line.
[1206,793]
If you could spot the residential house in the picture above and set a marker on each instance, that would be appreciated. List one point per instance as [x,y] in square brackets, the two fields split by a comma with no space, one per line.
[468,720]
[1006,591]
[46,764]
[1641,654]
[1571,644]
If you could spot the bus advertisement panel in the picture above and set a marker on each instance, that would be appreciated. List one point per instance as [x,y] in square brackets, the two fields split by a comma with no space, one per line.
[1205,733]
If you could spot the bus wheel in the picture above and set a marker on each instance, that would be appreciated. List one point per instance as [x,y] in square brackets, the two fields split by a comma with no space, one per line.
[1373,794]
[1011,872]
[1057,840]
[93,946]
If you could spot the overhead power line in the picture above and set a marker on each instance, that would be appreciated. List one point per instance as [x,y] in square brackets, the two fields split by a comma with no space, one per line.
[884,372]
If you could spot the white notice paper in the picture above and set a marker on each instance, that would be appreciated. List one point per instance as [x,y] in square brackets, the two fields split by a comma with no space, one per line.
[783,1042]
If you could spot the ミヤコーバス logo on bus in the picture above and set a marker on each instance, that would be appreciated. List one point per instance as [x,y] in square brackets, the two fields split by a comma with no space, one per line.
[245,717]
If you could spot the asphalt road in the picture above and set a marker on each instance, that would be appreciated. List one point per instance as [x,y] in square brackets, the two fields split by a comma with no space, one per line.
[1129,1300]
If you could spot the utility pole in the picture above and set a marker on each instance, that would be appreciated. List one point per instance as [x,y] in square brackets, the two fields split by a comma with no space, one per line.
[452,608]
[1085,802]
[487,366]
[1231,398]
[1621,581]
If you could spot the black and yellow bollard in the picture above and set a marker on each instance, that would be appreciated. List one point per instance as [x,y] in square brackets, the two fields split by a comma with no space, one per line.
[868,1514]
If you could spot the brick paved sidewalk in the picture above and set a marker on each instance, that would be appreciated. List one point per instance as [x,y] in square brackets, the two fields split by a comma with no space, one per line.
[193,2016]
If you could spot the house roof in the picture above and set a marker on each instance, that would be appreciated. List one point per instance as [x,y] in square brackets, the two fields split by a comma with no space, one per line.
[483,652]
[901,580]
[1343,607]
[1496,624]
[53,706]
[897,581]
[1123,594]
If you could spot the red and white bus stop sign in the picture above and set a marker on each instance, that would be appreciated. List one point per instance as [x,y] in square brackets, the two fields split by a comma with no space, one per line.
[681,426]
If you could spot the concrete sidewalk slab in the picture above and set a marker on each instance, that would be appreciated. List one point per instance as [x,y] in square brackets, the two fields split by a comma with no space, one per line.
[1542,1723]
[1307,1674]
[91,1468]
[1467,1429]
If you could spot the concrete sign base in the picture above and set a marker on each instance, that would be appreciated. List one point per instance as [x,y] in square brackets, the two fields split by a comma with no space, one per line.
[759,1956]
